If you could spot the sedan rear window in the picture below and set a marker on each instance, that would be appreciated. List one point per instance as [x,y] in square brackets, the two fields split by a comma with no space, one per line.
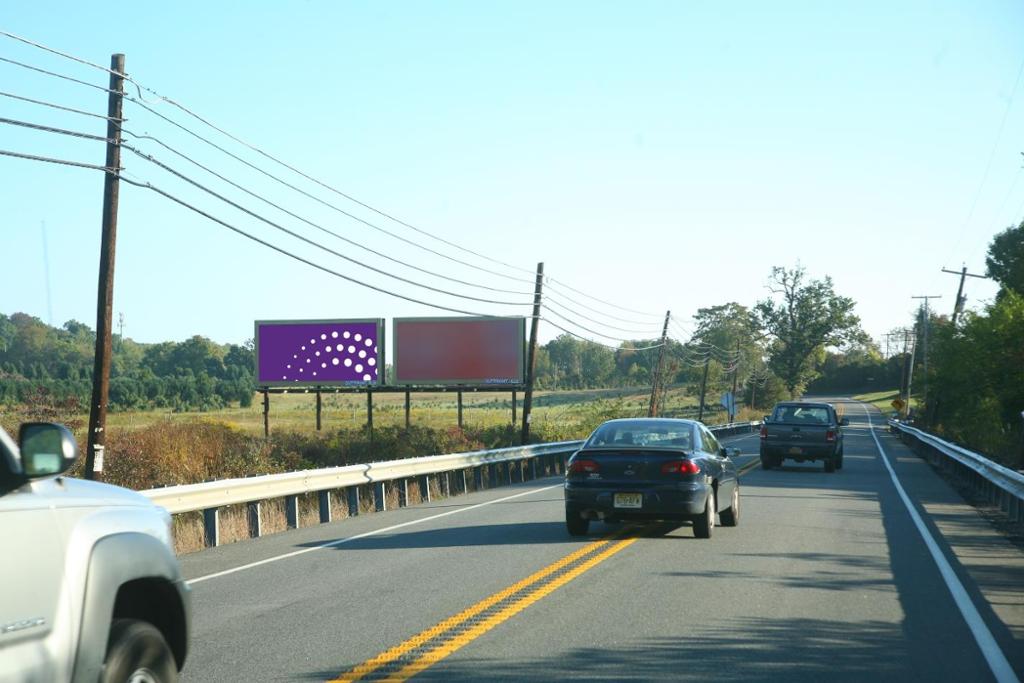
[652,434]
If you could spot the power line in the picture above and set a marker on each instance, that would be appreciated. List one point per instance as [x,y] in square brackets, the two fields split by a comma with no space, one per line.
[565,296]
[606,303]
[62,54]
[302,238]
[54,106]
[318,199]
[582,327]
[51,129]
[50,160]
[314,224]
[150,186]
[271,157]
[555,302]
[607,346]
[55,74]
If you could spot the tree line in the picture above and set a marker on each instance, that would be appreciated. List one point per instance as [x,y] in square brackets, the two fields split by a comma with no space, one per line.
[772,350]
[196,374]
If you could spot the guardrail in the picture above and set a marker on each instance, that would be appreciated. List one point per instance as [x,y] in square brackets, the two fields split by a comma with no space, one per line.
[999,485]
[451,474]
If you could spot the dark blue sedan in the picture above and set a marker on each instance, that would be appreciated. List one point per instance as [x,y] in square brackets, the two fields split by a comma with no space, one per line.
[647,469]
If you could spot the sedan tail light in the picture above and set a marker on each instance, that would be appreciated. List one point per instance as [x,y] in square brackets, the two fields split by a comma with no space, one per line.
[764,432]
[680,467]
[830,436]
[584,467]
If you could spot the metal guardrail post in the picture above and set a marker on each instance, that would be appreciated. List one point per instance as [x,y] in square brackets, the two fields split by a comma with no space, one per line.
[255,520]
[379,498]
[352,493]
[211,527]
[403,493]
[478,477]
[291,511]
[325,506]
[533,468]
[424,481]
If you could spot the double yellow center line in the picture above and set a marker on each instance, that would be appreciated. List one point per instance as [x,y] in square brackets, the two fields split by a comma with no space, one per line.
[437,642]
[429,647]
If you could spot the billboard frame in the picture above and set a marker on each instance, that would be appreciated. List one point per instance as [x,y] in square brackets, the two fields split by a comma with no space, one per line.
[379,382]
[470,383]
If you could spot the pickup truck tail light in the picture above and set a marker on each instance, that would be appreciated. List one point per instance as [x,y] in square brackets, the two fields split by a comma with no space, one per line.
[830,435]
[584,467]
[680,467]
[764,432]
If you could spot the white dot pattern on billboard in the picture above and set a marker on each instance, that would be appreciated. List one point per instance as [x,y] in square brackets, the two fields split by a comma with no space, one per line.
[310,350]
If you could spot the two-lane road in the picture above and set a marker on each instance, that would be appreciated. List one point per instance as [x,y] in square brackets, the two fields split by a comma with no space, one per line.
[827,576]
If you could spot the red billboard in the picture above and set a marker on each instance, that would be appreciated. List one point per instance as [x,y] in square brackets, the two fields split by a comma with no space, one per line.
[465,351]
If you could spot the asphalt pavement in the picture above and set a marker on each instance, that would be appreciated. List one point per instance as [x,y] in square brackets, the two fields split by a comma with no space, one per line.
[826,576]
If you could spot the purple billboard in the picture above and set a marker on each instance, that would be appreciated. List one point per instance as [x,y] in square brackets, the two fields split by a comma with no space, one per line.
[319,352]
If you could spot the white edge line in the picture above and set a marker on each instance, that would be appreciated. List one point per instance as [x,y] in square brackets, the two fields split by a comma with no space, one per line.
[349,539]
[997,661]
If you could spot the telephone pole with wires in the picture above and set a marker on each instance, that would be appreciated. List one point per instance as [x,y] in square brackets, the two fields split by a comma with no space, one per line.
[703,388]
[926,322]
[531,360]
[105,297]
[958,307]
[652,407]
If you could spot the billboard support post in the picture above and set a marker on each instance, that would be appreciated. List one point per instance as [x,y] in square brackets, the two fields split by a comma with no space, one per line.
[652,406]
[266,414]
[369,413]
[408,400]
[513,407]
[460,407]
[531,361]
[318,409]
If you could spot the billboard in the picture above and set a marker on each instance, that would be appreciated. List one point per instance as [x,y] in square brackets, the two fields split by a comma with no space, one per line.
[319,352]
[469,351]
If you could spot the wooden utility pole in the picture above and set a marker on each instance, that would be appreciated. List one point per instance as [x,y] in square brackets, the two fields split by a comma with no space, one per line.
[531,359]
[910,373]
[105,295]
[958,307]
[703,388]
[652,406]
[735,377]
[927,323]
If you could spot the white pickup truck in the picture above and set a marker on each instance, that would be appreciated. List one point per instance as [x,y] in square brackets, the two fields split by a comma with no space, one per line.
[90,588]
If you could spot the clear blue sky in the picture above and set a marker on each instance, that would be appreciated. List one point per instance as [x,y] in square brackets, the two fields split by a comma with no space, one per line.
[655,154]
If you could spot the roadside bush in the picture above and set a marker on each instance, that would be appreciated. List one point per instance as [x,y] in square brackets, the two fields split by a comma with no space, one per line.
[169,453]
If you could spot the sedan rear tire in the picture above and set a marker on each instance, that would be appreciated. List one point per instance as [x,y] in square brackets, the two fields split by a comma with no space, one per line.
[704,525]
[830,465]
[574,524]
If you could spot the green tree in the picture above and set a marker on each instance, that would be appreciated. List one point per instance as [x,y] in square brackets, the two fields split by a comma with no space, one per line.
[803,317]
[1005,260]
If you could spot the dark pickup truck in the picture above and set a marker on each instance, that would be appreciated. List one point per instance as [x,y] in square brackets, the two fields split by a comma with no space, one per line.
[803,432]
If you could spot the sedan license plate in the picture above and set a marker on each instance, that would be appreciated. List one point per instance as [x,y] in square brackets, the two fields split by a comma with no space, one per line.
[795,450]
[629,500]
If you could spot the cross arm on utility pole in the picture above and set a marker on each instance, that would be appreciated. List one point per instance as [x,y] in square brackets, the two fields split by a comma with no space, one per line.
[958,306]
